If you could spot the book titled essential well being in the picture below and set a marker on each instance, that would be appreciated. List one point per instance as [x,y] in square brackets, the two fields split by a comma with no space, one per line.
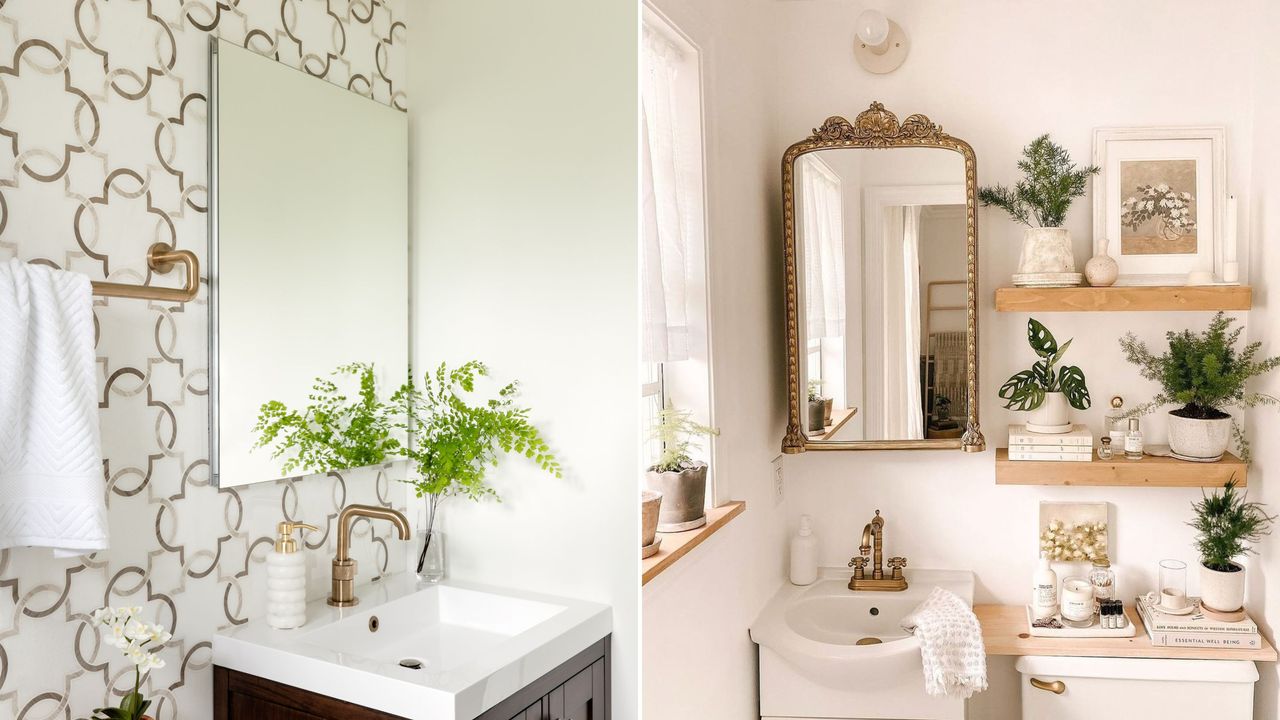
[1197,630]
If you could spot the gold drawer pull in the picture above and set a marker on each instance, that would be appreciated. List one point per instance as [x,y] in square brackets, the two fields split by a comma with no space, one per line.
[1057,687]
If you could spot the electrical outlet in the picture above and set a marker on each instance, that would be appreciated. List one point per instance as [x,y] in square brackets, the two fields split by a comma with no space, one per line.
[777,480]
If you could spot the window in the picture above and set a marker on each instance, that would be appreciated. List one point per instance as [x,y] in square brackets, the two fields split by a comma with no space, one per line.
[675,342]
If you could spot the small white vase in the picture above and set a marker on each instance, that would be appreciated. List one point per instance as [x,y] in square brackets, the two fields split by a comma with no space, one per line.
[1199,439]
[1222,591]
[1046,250]
[1055,411]
[1102,270]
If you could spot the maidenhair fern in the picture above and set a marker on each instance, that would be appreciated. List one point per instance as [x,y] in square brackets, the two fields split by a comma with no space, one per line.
[675,430]
[1050,183]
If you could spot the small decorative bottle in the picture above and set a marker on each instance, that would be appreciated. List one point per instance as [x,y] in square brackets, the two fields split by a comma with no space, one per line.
[1104,452]
[1115,422]
[1103,581]
[1133,441]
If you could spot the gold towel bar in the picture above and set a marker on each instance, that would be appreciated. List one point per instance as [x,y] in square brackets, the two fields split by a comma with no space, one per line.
[160,258]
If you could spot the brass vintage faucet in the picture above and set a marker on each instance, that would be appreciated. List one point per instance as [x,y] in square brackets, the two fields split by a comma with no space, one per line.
[873,534]
[344,568]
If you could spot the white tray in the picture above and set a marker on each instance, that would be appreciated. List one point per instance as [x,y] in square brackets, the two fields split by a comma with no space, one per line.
[1069,632]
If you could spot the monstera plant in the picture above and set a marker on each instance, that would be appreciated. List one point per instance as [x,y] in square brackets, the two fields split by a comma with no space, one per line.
[1046,390]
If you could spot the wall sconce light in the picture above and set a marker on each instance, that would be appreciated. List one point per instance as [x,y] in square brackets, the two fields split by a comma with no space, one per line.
[880,45]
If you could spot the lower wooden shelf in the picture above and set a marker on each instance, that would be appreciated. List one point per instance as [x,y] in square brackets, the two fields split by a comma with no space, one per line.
[1148,472]
[1004,632]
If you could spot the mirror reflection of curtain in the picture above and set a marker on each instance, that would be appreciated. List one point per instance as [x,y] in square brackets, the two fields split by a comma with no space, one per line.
[902,418]
[823,230]
[665,215]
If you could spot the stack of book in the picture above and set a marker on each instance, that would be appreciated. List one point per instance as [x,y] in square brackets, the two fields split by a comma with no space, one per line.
[1197,630]
[1074,446]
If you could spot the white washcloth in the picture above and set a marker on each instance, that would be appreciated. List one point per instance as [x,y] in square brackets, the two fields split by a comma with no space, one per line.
[52,488]
[951,649]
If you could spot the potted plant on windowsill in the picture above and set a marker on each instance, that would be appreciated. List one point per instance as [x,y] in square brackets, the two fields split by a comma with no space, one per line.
[681,479]
[819,408]
[1049,185]
[1226,524]
[1047,394]
[1204,374]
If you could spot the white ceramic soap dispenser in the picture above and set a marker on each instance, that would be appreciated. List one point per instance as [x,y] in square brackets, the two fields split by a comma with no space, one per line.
[287,579]
[804,554]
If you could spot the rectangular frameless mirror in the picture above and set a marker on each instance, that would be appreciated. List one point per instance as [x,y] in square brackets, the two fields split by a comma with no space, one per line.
[309,244]
[881,251]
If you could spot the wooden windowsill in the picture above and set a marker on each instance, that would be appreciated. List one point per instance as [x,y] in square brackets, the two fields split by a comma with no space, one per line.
[677,545]
[838,419]
[1004,632]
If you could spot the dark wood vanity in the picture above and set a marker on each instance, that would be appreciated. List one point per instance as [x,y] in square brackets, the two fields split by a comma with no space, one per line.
[576,690]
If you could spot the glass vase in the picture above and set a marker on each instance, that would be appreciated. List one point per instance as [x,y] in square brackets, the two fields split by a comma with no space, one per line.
[430,556]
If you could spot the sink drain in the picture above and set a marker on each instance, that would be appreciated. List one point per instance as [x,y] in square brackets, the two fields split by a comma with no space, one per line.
[869,641]
[411,663]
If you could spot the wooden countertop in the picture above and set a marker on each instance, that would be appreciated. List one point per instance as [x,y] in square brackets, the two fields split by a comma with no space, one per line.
[1004,631]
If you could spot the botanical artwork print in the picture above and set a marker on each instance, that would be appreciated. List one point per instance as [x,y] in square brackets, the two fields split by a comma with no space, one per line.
[1158,210]
[103,117]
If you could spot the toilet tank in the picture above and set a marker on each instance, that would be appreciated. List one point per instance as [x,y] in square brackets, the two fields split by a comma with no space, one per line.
[1093,688]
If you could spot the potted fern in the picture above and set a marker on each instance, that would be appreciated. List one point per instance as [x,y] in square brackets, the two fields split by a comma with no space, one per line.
[819,407]
[1204,374]
[1046,391]
[1044,195]
[681,479]
[1226,525]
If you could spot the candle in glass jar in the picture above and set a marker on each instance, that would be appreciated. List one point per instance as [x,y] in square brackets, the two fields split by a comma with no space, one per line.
[1076,602]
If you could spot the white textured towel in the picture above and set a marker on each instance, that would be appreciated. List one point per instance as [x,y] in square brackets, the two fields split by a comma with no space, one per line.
[52,489]
[951,649]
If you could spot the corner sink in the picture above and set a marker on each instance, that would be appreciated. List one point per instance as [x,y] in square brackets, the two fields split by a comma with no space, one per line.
[824,646]
[447,651]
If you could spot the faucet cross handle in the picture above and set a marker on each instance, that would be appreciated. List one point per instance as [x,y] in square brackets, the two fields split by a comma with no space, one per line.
[896,564]
[858,563]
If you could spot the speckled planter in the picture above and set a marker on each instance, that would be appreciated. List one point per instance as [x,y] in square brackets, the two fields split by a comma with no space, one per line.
[1046,250]
[1199,439]
[1222,591]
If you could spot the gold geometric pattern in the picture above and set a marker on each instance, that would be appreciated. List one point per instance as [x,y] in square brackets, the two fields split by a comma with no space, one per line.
[103,116]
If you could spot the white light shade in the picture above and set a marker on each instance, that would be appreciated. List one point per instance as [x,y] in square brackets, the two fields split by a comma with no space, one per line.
[872,27]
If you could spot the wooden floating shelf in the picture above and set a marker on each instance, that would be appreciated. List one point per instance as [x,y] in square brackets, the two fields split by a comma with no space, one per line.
[1130,297]
[1004,632]
[1147,472]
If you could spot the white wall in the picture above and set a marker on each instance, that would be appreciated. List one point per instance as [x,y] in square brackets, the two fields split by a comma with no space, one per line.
[524,187]
[699,663]
[998,74]
[1264,323]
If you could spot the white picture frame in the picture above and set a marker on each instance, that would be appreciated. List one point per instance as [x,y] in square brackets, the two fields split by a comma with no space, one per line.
[1136,155]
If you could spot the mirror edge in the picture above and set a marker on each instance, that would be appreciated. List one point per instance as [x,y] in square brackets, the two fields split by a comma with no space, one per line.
[211,264]
[876,127]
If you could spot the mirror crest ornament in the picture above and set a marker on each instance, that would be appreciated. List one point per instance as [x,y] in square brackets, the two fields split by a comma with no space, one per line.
[878,128]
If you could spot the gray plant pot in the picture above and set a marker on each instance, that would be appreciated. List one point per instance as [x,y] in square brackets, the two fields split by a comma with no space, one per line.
[650,502]
[817,416]
[684,496]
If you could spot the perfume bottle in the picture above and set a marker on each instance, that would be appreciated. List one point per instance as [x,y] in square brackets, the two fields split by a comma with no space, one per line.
[1133,441]
[1104,452]
[1115,422]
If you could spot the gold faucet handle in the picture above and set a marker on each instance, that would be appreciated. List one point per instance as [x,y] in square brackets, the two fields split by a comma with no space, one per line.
[858,563]
[896,564]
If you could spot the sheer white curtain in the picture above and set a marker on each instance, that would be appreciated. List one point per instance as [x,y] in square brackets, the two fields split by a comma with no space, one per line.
[822,223]
[903,417]
[665,219]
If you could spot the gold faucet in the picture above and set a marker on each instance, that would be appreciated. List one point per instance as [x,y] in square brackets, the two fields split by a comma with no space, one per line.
[873,536]
[344,568]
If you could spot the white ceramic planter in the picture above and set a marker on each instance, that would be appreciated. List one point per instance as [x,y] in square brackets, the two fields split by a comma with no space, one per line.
[1046,250]
[1222,591]
[1054,411]
[1199,439]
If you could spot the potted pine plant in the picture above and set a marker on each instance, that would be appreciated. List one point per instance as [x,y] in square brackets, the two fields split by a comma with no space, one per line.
[1204,374]
[1226,525]
[1049,184]
[681,479]
[1046,391]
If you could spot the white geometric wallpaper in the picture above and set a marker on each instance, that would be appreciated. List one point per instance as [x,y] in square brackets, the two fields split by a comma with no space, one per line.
[103,107]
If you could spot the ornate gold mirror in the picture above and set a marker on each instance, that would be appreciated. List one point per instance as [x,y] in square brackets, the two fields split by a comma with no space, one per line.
[880,218]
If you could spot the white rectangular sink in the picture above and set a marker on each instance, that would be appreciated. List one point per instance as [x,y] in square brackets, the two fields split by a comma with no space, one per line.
[441,652]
